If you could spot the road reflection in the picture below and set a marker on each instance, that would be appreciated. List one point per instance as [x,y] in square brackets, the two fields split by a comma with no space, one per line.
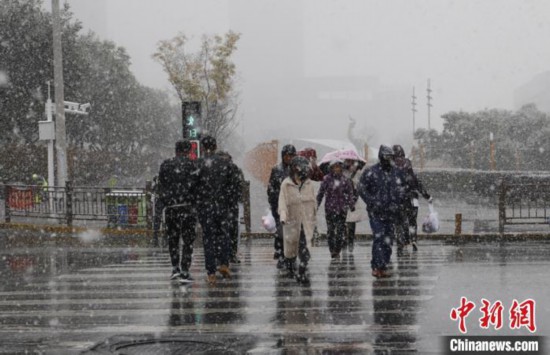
[394,305]
[344,297]
[202,305]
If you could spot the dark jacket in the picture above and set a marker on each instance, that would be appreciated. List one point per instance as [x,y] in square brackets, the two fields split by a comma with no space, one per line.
[177,182]
[218,184]
[278,174]
[415,186]
[384,191]
[236,190]
[339,194]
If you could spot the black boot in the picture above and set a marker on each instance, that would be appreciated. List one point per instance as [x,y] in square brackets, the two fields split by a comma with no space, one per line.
[302,276]
[290,264]
[399,249]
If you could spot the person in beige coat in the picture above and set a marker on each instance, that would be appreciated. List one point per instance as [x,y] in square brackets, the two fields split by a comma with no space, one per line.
[297,210]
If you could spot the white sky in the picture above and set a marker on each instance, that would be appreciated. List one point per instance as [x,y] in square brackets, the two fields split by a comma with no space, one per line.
[475,52]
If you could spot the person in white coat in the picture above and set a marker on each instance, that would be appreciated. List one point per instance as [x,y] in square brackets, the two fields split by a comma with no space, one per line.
[297,210]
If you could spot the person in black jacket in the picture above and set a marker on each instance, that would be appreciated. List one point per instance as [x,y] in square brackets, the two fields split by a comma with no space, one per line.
[408,225]
[383,188]
[157,213]
[178,192]
[235,196]
[278,174]
[216,183]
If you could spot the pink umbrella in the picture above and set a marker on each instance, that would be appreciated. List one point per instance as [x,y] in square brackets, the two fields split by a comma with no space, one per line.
[346,154]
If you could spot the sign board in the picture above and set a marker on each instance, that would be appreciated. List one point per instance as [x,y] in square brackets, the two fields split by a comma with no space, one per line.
[46,130]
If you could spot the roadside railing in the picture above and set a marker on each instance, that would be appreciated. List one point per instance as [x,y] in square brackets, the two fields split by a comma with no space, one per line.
[527,203]
[118,207]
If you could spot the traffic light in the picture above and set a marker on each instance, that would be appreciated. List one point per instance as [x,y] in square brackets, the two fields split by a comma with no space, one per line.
[191,116]
[194,154]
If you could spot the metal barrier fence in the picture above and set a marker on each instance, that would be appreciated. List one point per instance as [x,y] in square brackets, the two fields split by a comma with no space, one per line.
[120,207]
[523,204]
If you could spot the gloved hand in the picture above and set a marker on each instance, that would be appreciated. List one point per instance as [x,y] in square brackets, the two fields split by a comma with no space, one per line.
[352,209]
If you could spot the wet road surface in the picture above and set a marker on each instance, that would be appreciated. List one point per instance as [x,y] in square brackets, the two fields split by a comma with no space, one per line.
[102,301]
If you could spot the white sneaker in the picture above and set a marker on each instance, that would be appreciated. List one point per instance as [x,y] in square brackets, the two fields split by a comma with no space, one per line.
[175,274]
[185,278]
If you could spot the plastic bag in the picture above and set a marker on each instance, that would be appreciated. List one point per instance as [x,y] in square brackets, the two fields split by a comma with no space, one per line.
[356,216]
[269,223]
[360,213]
[431,222]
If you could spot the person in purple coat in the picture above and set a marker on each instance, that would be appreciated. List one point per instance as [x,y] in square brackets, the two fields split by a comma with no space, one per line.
[340,197]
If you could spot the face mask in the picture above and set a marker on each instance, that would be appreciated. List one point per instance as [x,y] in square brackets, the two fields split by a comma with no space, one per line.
[302,174]
[386,161]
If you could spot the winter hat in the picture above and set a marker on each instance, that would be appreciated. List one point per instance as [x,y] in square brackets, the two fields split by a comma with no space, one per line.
[288,149]
[385,155]
[398,151]
[308,153]
[299,163]
[209,143]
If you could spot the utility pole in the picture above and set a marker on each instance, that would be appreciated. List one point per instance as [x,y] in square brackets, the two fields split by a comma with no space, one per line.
[413,103]
[60,138]
[429,97]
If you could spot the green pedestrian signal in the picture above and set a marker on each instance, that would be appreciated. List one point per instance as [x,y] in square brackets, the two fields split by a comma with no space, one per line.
[191,119]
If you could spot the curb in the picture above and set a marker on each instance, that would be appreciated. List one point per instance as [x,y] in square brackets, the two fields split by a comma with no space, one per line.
[48,228]
[32,235]
[462,238]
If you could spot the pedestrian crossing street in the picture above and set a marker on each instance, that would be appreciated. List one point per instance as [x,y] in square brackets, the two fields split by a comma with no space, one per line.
[343,309]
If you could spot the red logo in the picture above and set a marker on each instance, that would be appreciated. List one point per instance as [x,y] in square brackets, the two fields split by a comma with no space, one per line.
[462,312]
[491,314]
[521,314]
